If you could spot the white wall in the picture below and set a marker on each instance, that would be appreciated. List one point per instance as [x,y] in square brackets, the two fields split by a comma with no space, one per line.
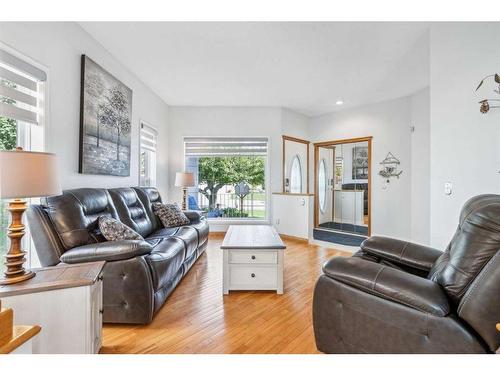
[58,46]
[464,143]
[388,123]
[420,167]
[294,124]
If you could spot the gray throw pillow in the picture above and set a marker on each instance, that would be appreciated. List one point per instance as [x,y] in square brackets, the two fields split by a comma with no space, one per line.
[170,214]
[114,230]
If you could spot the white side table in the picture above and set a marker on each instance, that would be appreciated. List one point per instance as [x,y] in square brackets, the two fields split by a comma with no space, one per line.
[66,301]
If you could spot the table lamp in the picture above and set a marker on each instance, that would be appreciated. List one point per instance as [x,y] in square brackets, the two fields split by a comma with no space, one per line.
[23,174]
[183,180]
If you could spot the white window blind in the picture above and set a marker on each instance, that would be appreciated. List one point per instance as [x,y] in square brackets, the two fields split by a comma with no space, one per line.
[147,160]
[19,88]
[225,146]
[148,137]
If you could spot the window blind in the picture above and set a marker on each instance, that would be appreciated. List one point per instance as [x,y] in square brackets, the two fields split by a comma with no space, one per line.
[19,88]
[148,137]
[225,146]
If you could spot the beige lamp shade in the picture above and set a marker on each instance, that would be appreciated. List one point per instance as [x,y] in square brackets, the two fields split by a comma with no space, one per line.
[25,174]
[184,179]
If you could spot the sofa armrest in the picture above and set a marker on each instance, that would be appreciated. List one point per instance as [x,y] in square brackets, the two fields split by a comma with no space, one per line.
[402,252]
[389,283]
[193,216]
[108,251]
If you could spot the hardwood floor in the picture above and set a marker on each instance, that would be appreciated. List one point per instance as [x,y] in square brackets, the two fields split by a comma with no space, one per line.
[197,318]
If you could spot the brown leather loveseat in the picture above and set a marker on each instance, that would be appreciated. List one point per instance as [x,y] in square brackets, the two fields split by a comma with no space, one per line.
[399,297]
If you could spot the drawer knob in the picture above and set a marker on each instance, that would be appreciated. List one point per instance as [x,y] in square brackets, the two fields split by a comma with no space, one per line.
[253,275]
[253,257]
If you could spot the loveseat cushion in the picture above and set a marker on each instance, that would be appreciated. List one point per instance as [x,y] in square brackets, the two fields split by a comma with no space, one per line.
[475,242]
[165,260]
[389,283]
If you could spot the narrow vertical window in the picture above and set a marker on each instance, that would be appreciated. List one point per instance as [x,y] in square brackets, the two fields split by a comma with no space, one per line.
[22,102]
[147,157]
[296,176]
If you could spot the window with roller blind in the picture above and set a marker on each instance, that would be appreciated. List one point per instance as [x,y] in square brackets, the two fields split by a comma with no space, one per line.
[147,156]
[230,177]
[22,115]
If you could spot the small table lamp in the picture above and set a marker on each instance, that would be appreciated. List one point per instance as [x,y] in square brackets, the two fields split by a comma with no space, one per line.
[23,174]
[183,180]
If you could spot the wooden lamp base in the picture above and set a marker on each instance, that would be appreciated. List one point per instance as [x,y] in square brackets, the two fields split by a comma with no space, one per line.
[15,257]
[184,198]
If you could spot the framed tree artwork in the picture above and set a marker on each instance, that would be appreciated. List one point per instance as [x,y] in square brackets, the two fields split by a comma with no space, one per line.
[105,122]
[360,163]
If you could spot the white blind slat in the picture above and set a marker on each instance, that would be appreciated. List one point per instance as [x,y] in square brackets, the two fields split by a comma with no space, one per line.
[16,113]
[146,147]
[9,75]
[145,142]
[23,66]
[148,138]
[219,146]
[17,95]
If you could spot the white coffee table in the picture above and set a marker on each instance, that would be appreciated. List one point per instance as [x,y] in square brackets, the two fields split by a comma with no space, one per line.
[253,258]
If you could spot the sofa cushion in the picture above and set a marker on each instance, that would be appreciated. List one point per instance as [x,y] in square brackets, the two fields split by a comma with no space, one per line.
[131,210]
[114,230]
[170,214]
[110,251]
[75,214]
[202,228]
[189,236]
[162,233]
[148,196]
[165,260]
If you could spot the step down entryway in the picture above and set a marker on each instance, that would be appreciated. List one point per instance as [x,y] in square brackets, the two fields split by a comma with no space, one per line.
[341,238]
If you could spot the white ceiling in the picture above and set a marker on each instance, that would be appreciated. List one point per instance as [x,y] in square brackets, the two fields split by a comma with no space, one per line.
[305,66]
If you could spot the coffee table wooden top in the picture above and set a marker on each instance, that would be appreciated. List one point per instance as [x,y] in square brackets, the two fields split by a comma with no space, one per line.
[252,237]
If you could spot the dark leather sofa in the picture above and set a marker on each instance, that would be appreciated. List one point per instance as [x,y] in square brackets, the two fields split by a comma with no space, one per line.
[399,297]
[139,275]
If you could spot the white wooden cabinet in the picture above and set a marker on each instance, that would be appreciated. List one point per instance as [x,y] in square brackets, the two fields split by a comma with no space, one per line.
[292,214]
[349,207]
[66,302]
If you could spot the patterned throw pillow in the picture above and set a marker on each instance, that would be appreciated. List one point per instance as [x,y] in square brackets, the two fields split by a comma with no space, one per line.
[170,214]
[114,230]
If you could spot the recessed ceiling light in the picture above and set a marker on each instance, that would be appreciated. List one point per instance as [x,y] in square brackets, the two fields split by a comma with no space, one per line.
[339,102]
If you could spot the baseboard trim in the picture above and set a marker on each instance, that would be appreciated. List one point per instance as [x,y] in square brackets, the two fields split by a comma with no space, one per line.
[216,234]
[294,238]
